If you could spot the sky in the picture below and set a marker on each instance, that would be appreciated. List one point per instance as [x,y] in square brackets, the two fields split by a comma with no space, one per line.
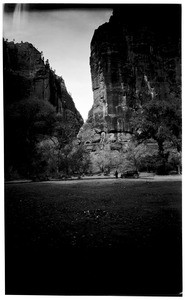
[64,36]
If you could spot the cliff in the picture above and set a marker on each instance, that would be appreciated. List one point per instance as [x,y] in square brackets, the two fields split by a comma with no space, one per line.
[27,76]
[135,56]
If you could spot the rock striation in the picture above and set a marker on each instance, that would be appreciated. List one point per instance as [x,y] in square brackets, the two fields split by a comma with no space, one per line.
[28,76]
[135,56]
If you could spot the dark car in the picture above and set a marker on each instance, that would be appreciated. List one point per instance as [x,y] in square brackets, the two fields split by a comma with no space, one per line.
[130,174]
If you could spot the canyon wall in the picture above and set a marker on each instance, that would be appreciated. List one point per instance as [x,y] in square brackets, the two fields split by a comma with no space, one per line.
[134,57]
[28,76]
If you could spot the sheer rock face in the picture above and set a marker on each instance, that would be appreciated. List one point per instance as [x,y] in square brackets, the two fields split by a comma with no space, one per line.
[134,57]
[27,76]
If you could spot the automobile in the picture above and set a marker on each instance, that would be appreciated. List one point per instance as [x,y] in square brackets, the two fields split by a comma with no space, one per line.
[130,174]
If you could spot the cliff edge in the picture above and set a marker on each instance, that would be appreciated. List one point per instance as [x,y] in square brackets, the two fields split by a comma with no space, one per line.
[135,56]
[28,76]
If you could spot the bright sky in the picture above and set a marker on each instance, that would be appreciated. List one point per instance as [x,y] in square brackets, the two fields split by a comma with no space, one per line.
[64,36]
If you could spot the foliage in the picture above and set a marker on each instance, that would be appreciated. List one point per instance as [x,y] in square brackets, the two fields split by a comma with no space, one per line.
[42,142]
[131,158]
[26,123]
[72,159]
[68,156]
[159,120]
[47,152]
[175,160]
[64,132]
[102,161]
[145,157]
[79,160]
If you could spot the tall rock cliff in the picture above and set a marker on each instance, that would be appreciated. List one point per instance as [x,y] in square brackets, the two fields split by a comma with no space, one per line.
[135,56]
[27,76]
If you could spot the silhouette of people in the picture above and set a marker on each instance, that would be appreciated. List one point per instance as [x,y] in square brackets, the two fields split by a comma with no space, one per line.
[116,174]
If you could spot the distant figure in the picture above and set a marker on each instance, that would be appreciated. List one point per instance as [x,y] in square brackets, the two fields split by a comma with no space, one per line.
[116,174]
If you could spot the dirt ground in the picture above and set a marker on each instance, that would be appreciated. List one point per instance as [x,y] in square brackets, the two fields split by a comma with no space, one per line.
[94,237]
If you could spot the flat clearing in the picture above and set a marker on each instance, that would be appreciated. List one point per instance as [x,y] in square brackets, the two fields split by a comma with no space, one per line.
[94,237]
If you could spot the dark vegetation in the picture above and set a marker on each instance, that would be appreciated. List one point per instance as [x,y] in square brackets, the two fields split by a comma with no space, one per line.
[40,118]
[41,144]
[113,237]
[41,127]
[159,119]
[38,141]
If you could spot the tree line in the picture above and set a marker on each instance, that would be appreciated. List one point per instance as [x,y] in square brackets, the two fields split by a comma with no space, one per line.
[41,144]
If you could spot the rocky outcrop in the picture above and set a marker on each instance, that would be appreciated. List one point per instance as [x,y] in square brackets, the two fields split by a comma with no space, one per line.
[28,76]
[135,56]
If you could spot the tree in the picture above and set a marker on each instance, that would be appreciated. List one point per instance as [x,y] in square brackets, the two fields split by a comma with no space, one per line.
[159,120]
[38,141]
[79,160]
[48,152]
[70,160]
[175,160]
[26,123]
[63,139]
[101,160]
[133,155]
[62,151]
[141,156]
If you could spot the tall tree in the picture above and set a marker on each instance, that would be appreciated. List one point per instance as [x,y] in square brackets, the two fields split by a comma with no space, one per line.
[26,123]
[159,120]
